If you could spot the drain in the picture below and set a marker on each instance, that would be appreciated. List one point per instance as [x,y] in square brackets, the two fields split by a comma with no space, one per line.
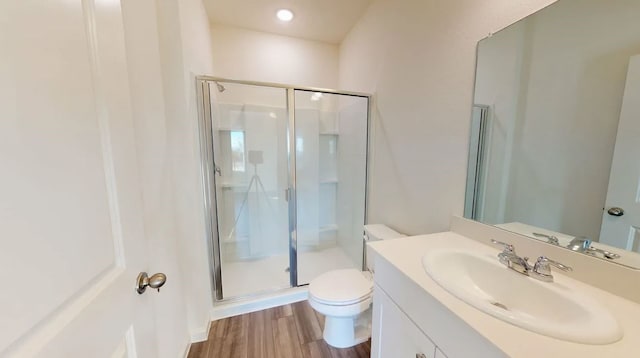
[498,304]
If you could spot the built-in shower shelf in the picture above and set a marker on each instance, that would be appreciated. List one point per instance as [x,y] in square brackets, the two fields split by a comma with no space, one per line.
[234,240]
[330,133]
[232,185]
[328,228]
[329,181]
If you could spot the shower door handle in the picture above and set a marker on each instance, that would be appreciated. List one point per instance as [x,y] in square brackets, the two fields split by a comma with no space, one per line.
[288,194]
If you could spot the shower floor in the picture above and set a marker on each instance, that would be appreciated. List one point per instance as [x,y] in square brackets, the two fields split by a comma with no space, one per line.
[243,278]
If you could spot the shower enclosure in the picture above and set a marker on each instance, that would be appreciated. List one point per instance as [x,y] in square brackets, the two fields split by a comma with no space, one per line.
[284,173]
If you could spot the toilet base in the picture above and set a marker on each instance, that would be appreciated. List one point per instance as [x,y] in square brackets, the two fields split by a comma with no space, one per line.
[345,332]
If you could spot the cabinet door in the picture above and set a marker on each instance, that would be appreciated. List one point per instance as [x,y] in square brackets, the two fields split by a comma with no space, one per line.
[394,334]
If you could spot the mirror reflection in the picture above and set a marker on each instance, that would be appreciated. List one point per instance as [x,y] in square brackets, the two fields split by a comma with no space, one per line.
[555,149]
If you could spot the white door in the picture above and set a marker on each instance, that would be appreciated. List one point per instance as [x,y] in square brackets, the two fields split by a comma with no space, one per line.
[624,182]
[70,205]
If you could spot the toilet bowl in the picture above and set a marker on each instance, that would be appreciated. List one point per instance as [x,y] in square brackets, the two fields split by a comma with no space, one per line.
[344,297]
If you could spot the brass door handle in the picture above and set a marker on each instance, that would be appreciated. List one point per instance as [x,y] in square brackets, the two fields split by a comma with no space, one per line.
[155,281]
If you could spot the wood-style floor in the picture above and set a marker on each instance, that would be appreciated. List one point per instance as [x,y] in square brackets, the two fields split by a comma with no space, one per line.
[291,331]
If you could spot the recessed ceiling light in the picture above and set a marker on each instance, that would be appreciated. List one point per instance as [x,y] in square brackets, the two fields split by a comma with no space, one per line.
[285,15]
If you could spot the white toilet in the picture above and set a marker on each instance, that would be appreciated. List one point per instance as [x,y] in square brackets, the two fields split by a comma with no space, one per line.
[344,297]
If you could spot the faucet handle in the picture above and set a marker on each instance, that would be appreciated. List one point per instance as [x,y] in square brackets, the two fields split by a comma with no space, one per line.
[505,246]
[542,269]
[550,238]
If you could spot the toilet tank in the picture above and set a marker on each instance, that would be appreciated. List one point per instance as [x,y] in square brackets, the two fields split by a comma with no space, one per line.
[375,233]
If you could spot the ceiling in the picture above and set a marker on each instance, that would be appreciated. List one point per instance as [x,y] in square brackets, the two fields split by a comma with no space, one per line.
[320,20]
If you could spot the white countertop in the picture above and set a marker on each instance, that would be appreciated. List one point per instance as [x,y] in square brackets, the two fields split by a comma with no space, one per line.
[406,255]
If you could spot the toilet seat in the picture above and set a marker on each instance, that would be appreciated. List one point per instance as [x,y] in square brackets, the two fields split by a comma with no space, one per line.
[340,304]
[341,288]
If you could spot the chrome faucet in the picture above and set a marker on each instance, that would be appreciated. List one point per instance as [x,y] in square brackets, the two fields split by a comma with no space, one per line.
[541,270]
[583,244]
[509,258]
[579,244]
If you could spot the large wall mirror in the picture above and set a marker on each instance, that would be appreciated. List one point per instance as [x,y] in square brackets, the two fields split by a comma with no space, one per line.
[555,134]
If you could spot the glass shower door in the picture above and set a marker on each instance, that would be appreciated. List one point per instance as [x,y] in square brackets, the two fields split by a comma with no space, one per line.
[284,173]
[250,131]
[331,164]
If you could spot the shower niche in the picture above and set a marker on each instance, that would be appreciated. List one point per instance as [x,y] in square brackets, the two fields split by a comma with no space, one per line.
[286,179]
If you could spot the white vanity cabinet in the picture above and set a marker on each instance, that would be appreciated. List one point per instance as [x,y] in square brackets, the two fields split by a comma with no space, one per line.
[413,316]
[394,334]
[409,322]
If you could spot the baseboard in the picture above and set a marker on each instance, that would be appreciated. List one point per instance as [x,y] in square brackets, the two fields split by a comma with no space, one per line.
[235,308]
[201,335]
[187,348]
[186,351]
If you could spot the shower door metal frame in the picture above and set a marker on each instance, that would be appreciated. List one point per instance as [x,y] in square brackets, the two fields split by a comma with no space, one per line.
[475,165]
[292,190]
[208,177]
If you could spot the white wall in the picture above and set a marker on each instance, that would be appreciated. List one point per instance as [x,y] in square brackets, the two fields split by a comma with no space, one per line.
[242,54]
[418,58]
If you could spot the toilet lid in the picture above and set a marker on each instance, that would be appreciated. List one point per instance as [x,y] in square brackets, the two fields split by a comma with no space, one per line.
[340,287]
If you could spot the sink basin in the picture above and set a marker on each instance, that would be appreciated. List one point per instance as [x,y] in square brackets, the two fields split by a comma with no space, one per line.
[551,309]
